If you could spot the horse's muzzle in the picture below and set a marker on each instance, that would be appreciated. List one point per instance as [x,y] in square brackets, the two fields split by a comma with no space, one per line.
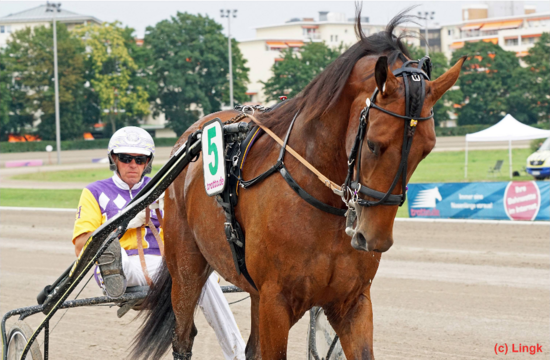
[359,242]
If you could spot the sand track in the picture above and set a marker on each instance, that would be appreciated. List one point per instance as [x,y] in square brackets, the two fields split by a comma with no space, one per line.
[444,291]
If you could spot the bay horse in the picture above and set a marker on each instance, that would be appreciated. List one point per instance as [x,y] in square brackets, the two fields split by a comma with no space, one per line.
[298,256]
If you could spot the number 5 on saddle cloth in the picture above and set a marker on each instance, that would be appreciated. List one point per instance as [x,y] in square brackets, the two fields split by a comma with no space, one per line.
[224,148]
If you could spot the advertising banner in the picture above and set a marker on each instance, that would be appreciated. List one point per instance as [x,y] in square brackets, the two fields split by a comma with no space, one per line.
[514,200]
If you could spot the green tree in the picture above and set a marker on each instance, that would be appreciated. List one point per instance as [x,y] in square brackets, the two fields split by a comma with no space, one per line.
[142,75]
[13,115]
[440,65]
[29,73]
[530,94]
[190,60]
[297,69]
[111,68]
[486,81]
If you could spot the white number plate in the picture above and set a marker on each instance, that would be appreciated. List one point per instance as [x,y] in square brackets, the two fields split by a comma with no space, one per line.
[213,160]
[535,172]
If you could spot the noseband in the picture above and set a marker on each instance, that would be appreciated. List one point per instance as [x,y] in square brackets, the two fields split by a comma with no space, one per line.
[414,79]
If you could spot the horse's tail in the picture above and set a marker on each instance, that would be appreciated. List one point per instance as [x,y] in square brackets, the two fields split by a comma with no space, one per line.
[155,334]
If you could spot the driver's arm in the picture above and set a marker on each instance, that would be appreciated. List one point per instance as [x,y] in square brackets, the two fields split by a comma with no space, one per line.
[88,219]
[79,242]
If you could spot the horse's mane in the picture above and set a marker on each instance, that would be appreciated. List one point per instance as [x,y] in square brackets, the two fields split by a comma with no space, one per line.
[321,94]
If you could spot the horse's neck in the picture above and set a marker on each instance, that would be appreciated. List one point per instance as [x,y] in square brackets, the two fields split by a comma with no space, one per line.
[322,142]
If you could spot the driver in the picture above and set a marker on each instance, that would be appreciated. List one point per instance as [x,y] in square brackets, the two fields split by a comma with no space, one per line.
[136,258]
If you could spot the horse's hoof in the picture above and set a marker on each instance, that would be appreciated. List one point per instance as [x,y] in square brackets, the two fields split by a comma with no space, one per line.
[358,242]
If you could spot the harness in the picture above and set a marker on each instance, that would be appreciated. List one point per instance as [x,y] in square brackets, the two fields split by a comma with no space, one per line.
[240,140]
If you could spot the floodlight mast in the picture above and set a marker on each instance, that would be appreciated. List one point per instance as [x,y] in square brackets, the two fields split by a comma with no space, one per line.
[55,8]
[427,15]
[227,13]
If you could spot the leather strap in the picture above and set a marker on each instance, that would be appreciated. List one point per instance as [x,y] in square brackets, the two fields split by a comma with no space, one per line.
[332,185]
[140,238]
[157,236]
[153,229]
[307,197]
[392,199]
[159,217]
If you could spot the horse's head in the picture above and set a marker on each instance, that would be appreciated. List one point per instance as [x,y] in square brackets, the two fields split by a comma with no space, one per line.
[384,163]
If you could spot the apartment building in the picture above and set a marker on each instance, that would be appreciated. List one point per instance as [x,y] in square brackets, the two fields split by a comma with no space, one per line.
[514,27]
[265,49]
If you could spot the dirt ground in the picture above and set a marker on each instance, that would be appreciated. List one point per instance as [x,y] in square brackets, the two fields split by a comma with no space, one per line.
[444,291]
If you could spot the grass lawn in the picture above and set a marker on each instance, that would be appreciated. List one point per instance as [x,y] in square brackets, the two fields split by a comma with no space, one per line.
[40,198]
[85,176]
[448,166]
[437,167]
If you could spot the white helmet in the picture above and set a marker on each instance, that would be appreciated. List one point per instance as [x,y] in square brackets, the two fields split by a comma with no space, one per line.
[132,140]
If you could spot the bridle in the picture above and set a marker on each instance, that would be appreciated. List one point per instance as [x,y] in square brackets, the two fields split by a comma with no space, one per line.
[415,87]
[414,80]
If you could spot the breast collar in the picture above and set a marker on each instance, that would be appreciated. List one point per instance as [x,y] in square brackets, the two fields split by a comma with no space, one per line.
[414,80]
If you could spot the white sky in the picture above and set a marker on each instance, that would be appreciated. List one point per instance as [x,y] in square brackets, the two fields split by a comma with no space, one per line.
[251,14]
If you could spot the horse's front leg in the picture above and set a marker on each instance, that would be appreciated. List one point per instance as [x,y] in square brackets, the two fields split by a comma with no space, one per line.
[354,327]
[189,271]
[275,323]
[253,349]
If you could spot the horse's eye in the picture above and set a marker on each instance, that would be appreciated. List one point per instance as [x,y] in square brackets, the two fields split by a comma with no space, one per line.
[371,146]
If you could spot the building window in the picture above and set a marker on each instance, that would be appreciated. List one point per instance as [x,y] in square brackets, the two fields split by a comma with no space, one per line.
[8,29]
[331,38]
[336,38]
[528,41]
[511,42]
[2,29]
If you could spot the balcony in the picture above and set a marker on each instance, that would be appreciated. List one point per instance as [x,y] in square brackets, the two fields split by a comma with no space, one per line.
[312,36]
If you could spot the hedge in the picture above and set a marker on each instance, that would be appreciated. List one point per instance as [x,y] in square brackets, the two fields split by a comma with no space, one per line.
[459,130]
[7,147]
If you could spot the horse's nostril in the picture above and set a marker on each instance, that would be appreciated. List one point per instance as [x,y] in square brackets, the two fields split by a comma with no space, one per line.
[359,242]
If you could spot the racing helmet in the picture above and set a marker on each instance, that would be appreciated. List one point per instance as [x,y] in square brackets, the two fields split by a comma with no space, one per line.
[131,140]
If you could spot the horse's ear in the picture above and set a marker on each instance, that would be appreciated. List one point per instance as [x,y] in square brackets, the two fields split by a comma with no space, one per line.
[385,80]
[381,72]
[447,80]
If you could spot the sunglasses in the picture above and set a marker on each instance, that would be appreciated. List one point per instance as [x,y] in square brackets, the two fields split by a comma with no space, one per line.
[125,158]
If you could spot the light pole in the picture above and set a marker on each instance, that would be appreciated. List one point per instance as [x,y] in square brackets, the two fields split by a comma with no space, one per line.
[427,15]
[55,8]
[227,13]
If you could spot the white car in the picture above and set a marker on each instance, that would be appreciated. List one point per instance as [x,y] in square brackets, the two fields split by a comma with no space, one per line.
[538,163]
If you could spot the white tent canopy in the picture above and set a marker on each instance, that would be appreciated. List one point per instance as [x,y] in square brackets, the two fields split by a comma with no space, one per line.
[507,129]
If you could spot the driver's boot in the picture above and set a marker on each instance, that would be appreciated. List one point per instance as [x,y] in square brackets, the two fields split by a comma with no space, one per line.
[110,265]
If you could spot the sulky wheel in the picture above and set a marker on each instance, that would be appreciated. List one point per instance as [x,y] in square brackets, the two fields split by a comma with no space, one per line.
[323,344]
[18,335]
